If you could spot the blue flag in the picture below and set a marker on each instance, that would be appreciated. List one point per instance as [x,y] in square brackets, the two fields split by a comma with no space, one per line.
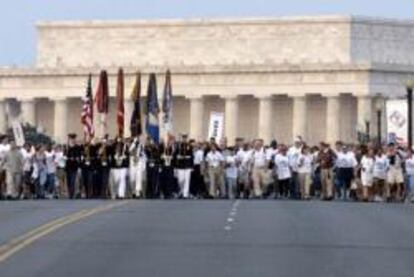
[152,122]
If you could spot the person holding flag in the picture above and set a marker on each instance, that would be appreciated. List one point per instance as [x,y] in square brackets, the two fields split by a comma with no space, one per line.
[137,150]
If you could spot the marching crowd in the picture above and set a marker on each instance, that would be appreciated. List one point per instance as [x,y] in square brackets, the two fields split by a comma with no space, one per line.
[183,168]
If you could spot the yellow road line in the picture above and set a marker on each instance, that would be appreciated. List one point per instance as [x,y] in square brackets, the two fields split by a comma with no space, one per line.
[19,243]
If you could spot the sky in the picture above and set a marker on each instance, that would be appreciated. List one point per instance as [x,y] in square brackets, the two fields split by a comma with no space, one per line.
[18,17]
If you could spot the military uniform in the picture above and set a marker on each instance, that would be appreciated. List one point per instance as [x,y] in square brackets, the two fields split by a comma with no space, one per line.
[89,158]
[153,154]
[168,186]
[73,155]
[183,160]
[103,170]
[119,170]
[137,168]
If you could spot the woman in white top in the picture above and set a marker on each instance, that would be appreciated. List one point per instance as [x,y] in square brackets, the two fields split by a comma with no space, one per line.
[409,169]
[231,174]
[283,172]
[367,176]
[381,164]
[305,162]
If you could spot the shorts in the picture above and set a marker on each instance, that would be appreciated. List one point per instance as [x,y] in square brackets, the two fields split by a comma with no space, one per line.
[367,179]
[395,176]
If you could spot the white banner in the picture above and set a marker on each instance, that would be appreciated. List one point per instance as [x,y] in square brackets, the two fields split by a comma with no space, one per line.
[397,121]
[215,129]
[18,133]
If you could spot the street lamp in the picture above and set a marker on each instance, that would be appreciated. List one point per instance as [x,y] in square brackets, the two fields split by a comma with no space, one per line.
[379,105]
[410,86]
[367,130]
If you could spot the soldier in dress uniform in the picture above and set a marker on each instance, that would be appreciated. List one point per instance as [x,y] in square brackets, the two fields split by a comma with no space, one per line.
[138,160]
[183,157]
[88,167]
[153,154]
[168,184]
[103,168]
[198,187]
[119,169]
[73,155]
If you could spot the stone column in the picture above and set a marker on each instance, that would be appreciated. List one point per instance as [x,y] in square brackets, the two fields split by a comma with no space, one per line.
[28,110]
[196,117]
[231,118]
[129,108]
[364,113]
[60,119]
[265,130]
[299,117]
[332,119]
[3,117]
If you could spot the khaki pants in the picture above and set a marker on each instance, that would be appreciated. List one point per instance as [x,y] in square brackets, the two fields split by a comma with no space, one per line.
[259,177]
[62,187]
[305,183]
[13,183]
[327,182]
[215,177]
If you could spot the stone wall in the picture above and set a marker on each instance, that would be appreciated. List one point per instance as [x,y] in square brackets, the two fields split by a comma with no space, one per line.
[194,42]
[382,41]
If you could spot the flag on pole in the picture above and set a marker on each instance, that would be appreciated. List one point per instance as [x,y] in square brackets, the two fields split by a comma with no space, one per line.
[135,123]
[152,123]
[102,101]
[120,103]
[167,105]
[87,112]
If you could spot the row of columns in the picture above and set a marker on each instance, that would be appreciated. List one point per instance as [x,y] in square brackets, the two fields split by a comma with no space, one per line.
[265,125]
[266,121]
[61,116]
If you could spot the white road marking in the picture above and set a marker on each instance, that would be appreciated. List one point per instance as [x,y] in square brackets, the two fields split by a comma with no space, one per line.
[232,215]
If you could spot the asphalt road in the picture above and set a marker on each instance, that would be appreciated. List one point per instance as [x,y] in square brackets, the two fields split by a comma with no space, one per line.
[213,238]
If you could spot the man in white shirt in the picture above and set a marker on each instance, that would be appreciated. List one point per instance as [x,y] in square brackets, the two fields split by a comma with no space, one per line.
[345,163]
[28,186]
[293,155]
[51,171]
[60,160]
[4,148]
[244,163]
[214,160]
[259,166]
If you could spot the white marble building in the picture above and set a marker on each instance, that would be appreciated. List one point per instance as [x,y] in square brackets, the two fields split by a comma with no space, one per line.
[319,77]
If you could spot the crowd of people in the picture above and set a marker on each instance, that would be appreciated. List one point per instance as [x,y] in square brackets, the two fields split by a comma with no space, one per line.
[139,168]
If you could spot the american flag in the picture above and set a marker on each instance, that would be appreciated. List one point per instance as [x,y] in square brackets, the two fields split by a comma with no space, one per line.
[87,112]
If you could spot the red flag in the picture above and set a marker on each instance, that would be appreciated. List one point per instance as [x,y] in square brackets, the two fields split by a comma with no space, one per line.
[102,100]
[120,115]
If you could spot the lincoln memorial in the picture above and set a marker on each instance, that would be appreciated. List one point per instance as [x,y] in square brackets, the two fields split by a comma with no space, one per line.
[320,77]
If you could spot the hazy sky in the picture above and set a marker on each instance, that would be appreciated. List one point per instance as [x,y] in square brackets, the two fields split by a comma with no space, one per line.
[17,17]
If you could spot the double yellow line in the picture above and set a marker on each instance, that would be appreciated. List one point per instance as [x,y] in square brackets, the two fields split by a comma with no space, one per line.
[19,243]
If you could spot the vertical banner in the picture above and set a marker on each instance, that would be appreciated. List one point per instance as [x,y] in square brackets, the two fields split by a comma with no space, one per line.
[397,121]
[215,129]
[18,133]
